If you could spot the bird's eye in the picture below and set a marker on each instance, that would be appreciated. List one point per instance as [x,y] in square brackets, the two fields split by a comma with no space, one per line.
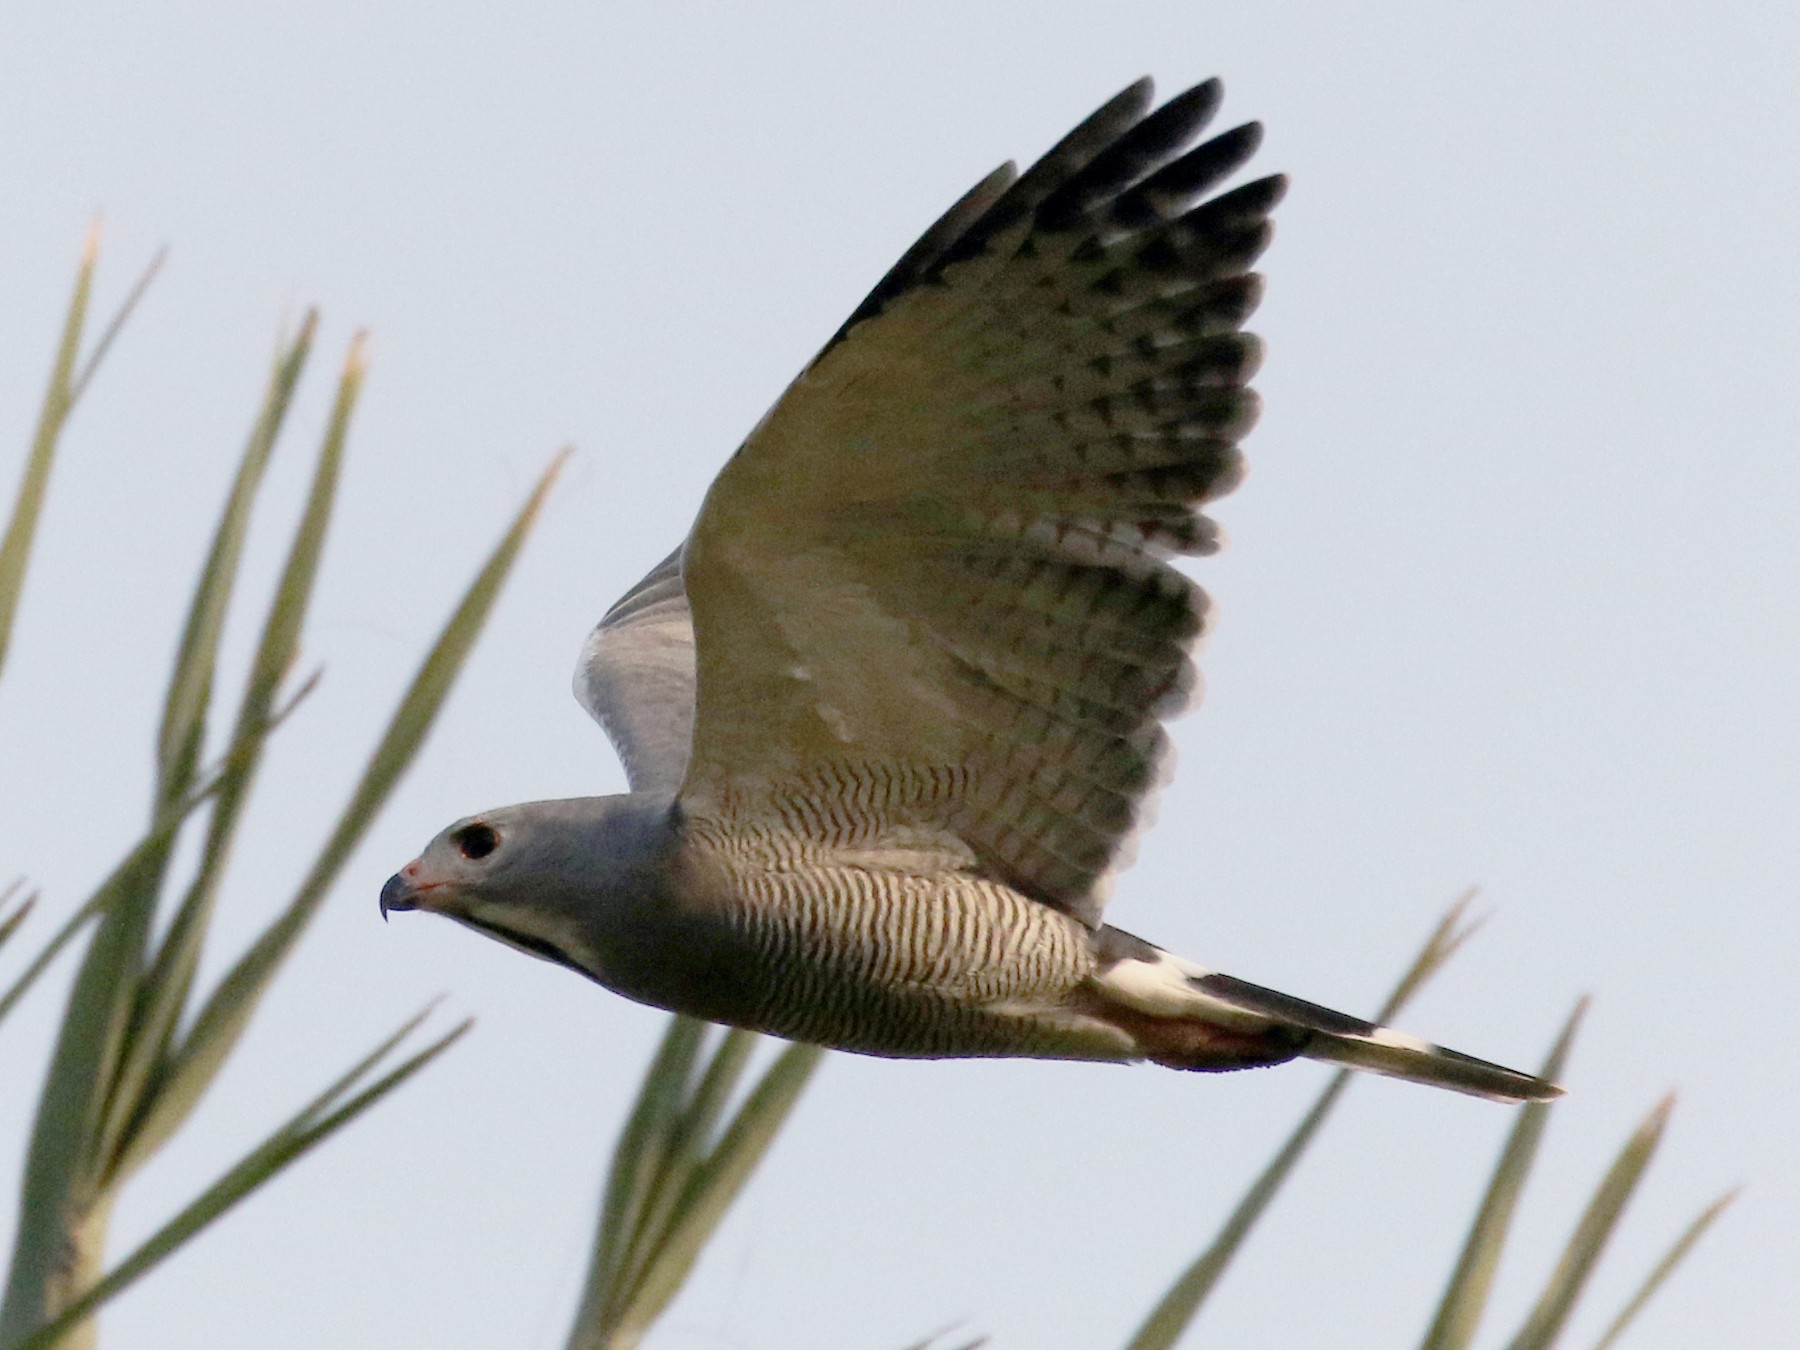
[477,841]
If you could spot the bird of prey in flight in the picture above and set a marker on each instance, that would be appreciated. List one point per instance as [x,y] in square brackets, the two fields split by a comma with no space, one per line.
[893,711]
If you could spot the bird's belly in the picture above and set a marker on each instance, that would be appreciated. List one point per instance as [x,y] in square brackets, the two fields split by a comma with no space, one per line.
[896,963]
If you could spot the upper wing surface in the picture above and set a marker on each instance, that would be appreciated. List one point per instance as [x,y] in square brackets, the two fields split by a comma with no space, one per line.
[931,592]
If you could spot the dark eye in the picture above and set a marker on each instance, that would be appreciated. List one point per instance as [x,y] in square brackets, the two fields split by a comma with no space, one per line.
[477,841]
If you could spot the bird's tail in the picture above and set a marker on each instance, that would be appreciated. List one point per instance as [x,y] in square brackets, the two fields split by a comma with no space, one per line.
[1186,1017]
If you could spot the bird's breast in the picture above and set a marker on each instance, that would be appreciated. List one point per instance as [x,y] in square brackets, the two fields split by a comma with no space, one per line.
[889,950]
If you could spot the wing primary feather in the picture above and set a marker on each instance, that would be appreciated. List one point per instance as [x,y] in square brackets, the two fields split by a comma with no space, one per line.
[1064,159]
[918,259]
[1129,157]
[1169,191]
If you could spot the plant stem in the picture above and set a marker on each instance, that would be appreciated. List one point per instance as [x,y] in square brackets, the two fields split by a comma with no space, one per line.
[65,1274]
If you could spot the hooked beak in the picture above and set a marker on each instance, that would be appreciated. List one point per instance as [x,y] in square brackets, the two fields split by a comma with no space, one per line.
[401,891]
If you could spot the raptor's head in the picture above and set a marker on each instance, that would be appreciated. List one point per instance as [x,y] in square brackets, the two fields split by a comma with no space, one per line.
[527,875]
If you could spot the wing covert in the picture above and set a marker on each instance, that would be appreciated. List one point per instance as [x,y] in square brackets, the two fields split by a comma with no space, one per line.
[636,678]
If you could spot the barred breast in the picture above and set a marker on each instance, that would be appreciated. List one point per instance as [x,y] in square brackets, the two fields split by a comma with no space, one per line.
[890,949]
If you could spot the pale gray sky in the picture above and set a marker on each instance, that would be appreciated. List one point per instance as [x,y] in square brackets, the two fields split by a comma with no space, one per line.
[1513,598]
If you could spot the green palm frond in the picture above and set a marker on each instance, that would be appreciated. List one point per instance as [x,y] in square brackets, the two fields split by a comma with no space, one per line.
[1547,1318]
[13,916]
[69,376]
[1459,1311]
[675,1173]
[1677,1253]
[134,1055]
[1466,1295]
[339,1104]
[1178,1307]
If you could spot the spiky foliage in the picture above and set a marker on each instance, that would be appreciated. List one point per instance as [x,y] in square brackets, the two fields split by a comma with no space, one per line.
[137,1049]
[1459,1311]
[675,1171]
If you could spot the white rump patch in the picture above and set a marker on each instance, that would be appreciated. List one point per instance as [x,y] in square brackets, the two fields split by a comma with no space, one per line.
[1164,988]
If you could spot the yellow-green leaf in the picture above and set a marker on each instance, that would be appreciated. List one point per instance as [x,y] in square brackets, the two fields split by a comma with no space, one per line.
[1661,1271]
[1459,1312]
[59,399]
[715,1184]
[164,989]
[225,1014]
[1178,1307]
[315,1122]
[1589,1238]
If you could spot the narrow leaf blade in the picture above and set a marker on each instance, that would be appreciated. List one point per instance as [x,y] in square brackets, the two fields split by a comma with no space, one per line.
[1661,1271]
[717,1182]
[11,923]
[226,1013]
[21,527]
[166,984]
[1459,1312]
[637,1158]
[114,326]
[262,1164]
[1178,1307]
[689,1135]
[1602,1215]
[190,686]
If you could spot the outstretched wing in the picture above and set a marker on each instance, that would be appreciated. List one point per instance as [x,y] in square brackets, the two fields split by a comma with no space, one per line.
[931,592]
[636,672]
[636,678]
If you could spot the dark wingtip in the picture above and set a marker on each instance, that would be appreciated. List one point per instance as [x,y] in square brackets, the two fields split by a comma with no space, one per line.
[1142,91]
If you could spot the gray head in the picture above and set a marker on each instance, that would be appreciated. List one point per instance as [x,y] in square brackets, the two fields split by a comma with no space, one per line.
[538,876]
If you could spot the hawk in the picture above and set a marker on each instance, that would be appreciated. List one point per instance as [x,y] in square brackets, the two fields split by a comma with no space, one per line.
[892,714]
